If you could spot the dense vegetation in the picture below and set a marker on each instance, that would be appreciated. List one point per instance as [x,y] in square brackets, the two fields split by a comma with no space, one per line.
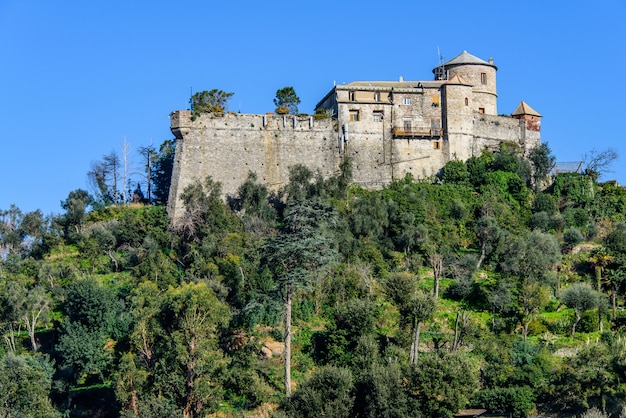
[491,286]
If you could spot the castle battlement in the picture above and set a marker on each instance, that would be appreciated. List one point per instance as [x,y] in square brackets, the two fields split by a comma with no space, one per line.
[387,128]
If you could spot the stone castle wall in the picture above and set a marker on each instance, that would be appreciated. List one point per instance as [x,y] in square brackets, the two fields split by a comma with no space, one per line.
[228,147]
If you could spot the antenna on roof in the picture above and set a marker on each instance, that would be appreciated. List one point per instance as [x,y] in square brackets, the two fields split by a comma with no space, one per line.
[440,71]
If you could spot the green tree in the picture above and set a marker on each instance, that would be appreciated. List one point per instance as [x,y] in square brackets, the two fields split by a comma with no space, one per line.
[581,297]
[455,172]
[35,310]
[252,201]
[517,401]
[213,101]
[421,308]
[162,171]
[327,393]
[192,316]
[148,155]
[76,206]
[300,251]
[86,344]
[380,392]
[25,386]
[442,384]
[286,101]
[175,363]
[12,300]
[414,305]
[351,320]
[84,351]
[542,161]
[489,235]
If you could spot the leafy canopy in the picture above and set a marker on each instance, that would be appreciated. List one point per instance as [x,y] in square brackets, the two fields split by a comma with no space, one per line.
[213,101]
[286,101]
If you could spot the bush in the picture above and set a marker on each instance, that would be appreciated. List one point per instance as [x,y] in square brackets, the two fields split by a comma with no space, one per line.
[455,172]
[572,237]
[327,393]
[518,401]
[544,203]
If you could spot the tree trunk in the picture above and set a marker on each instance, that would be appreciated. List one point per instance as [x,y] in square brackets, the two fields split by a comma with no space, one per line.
[525,321]
[613,304]
[600,322]
[190,383]
[416,343]
[575,323]
[10,338]
[463,315]
[483,254]
[436,261]
[456,330]
[288,342]
[30,323]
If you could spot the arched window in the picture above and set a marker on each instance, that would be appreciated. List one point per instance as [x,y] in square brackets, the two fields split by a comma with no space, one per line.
[466,101]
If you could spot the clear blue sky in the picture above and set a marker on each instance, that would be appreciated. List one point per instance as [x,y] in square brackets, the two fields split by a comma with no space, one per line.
[80,77]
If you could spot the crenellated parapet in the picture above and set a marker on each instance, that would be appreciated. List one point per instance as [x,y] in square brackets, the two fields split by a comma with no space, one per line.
[387,128]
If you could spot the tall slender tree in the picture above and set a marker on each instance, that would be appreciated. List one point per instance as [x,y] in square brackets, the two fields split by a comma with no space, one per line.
[300,251]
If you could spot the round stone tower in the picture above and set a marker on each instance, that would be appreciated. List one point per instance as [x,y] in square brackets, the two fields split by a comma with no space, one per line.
[480,74]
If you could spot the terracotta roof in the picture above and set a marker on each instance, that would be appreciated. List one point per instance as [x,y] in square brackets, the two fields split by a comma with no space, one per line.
[524,109]
[457,79]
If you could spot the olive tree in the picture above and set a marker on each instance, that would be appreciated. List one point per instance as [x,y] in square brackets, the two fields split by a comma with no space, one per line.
[581,297]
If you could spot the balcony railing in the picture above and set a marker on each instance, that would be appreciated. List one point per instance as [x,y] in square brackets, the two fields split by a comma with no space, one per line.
[417,132]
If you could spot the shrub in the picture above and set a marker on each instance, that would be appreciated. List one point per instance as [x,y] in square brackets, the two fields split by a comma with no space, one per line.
[327,393]
[518,401]
[572,237]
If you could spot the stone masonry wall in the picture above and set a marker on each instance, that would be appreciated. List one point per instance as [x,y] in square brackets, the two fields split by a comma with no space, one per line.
[228,147]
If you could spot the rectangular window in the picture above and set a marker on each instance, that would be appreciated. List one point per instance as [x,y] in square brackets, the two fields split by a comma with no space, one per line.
[354,115]
[377,96]
[406,101]
[435,100]
[378,115]
[436,145]
[481,110]
[483,78]
[407,124]
[351,96]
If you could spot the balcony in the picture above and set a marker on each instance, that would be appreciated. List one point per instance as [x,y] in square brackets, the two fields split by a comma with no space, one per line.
[417,132]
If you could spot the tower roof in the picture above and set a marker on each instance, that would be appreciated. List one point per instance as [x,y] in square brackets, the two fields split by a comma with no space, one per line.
[465,58]
[524,109]
[457,79]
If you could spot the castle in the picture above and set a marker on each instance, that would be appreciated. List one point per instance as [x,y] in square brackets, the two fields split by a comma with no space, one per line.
[387,128]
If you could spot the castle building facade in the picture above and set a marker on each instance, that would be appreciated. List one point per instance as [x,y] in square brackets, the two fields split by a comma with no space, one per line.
[388,128]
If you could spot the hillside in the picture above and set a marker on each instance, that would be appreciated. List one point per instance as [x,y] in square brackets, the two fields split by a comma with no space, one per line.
[493,286]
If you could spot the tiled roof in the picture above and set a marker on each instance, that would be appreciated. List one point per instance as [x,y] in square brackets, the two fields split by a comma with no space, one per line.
[457,79]
[524,109]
